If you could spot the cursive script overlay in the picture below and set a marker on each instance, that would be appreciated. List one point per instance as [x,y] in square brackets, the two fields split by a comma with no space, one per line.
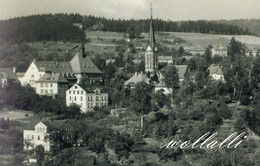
[207,141]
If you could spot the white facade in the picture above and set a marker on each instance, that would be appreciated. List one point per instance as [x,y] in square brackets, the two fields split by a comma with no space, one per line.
[87,101]
[47,88]
[38,136]
[31,76]
[218,77]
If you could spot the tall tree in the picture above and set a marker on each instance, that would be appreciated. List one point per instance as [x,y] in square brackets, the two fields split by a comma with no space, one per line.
[141,99]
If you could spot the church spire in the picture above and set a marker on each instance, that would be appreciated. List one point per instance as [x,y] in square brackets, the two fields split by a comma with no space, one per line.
[151,37]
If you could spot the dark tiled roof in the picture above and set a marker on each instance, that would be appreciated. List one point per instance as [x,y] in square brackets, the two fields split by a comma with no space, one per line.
[55,78]
[57,67]
[9,73]
[180,68]
[82,64]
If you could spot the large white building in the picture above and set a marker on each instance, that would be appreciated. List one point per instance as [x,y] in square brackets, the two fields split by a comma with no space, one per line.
[85,99]
[37,136]
[81,66]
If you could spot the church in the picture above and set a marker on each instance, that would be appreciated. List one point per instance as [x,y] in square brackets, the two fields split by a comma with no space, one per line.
[151,65]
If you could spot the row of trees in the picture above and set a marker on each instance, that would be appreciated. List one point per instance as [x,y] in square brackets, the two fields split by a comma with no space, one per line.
[104,24]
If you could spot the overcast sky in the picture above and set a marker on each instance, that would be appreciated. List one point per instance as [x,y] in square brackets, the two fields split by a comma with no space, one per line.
[126,9]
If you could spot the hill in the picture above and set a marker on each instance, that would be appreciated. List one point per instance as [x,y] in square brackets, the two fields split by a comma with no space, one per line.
[47,27]
[253,25]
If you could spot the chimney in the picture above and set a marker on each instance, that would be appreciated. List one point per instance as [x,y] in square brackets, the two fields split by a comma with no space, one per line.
[14,70]
[82,50]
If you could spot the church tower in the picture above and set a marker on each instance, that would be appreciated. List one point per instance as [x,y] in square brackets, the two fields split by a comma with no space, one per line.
[151,58]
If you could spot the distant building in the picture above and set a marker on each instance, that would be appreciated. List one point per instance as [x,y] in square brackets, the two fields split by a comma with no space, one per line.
[136,78]
[161,86]
[80,67]
[38,135]
[85,99]
[215,72]
[52,85]
[195,51]
[110,61]
[137,61]
[165,59]
[7,75]
[219,50]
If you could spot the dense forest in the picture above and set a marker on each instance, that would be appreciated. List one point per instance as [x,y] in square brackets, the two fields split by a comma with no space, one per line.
[59,27]
[42,28]
[253,25]
[201,26]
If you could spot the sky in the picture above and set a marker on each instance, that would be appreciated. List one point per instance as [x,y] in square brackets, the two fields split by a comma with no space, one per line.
[175,10]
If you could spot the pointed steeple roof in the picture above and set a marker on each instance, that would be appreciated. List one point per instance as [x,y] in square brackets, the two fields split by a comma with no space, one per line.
[151,37]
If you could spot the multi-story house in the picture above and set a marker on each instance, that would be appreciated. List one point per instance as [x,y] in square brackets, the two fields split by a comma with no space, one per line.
[85,99]
[38,135]
[52,85]
[80,67]
[220,51]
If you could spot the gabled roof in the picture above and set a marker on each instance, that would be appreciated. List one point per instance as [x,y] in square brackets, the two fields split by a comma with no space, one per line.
[57,67]
[138,77]
[52,78]
[8,72]
[180,68]
[215,69]
[80,64]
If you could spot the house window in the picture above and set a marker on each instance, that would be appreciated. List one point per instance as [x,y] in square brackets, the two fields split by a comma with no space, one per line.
[41,84]
[46,84]
[32,137]
[46,91]
[82,92]
[50,85]
[102,98]
[97,98]
[32,76]
[51,91]
[91,98]
[70,98]
[81,98]
[75,98]
[39,137]
[76,87]
[88,98]
[41,91]
[74,92]
[69,92]
[78,92]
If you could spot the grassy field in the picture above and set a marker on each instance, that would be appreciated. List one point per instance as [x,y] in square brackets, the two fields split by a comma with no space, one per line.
[16,115]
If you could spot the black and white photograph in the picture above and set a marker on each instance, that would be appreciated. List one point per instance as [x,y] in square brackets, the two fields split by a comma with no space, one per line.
[129,83]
